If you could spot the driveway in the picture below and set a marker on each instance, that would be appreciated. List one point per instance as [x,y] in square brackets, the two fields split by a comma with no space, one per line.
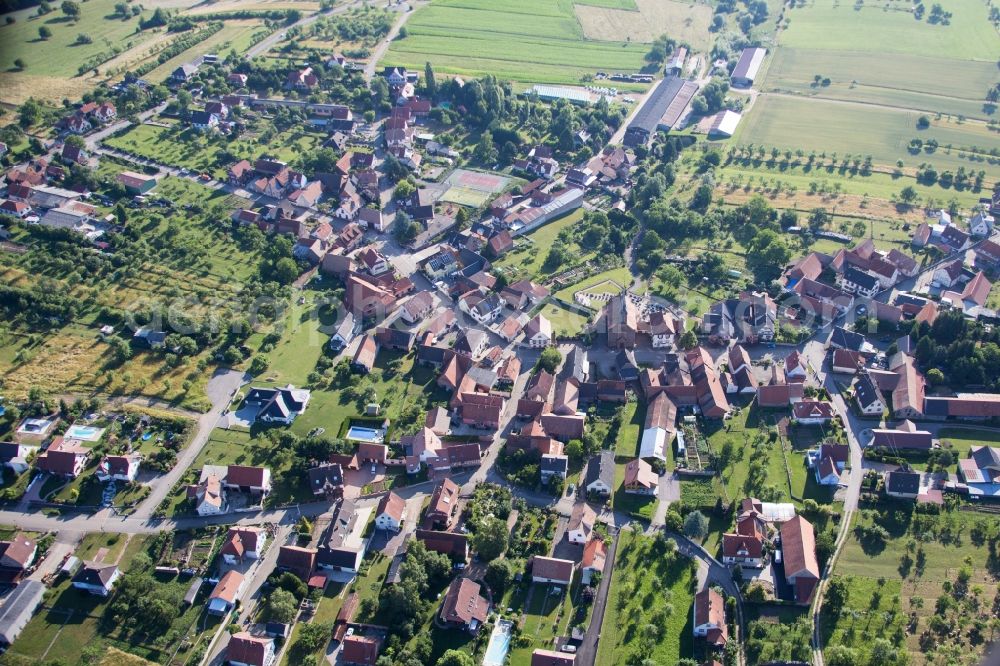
[586,653]
[221,388]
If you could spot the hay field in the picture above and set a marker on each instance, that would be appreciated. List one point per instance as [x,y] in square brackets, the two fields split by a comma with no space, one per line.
[51,71]
[255,6]
[234,35]
[519,40]
[907,81]
[684,21]
[890,27]
[829,126]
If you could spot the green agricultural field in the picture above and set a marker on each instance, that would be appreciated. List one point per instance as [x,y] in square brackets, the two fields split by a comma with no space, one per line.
[827,126]
[763,177]
[645,20]
[890,28]
[201,264]
[906,81]
[921,556]
[521,40]
[235,35]
[52,64]
[649,586]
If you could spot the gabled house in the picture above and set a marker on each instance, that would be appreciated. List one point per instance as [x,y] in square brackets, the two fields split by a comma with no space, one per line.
[342,546]
[640,478]
[209,496]
[595,555]
[464,606]
[96,578]
[798,547]
[552,570]
[710,618]
[444,504]
[390,512]
[63,457]
[745,547]
[812,412]
[118,468]
[347,329]
[16,555]
[245,649]
[298,560]
[538,332]
[600,477]
[278,405]
[243,542]
[868,396]
[326,480]
[226,593]
[581,523]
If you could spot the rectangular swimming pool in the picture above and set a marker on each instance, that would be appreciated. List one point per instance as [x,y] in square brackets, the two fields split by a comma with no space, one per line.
[361,434]
[84,433]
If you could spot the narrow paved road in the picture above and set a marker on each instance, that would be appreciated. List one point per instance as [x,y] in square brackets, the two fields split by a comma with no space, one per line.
[587,652]
[383,46]
[221,389]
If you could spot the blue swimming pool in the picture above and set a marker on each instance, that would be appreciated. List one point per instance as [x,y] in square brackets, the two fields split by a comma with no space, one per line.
[496,651]
[361,434]
[84,433]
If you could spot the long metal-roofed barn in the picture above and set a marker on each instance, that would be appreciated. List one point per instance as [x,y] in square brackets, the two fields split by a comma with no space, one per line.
[748,67]
[661,110]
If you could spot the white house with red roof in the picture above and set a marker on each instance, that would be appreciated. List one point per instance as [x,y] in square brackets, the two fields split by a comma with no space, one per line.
[244,649]
[118,468]
[243,542]
[710,618]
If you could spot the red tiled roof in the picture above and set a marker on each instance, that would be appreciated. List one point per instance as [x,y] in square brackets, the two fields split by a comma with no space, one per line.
[392,505]
[242,475]
[244,648]
[798,545]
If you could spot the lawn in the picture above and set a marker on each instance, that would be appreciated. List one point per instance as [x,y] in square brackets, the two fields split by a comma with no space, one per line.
[52,64]
[884,133]
[397,390]
[620,276]
[545,618]
[875,613]
[649,586]
[963,439]
[520,40]
[565,323]
[180,146]
[627,439]
[922,555]
[302,341]
[530,261]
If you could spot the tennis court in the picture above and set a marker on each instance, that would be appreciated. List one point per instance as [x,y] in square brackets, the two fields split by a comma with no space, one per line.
[473,188]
